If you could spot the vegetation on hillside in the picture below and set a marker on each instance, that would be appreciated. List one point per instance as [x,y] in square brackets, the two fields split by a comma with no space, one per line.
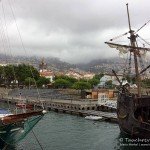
[81,84]
[21,75]
[26,75]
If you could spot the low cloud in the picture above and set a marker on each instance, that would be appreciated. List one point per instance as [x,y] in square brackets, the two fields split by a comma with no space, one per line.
[72,30]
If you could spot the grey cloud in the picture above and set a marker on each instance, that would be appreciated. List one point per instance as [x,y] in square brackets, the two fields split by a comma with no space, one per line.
[73,30]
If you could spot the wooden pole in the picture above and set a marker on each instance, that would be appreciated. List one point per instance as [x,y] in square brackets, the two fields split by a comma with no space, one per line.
[135,52]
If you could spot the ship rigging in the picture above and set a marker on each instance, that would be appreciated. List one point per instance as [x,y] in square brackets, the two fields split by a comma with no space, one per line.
[133,108]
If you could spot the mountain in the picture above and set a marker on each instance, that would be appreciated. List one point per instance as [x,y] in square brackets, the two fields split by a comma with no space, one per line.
[103,65]
[55,64]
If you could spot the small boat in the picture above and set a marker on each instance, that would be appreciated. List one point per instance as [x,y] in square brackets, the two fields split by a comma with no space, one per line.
[14,127]
[91,117]
[111,104]
[4,113]
[24,106]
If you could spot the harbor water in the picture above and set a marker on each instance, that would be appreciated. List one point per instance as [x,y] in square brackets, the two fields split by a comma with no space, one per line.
[59,131]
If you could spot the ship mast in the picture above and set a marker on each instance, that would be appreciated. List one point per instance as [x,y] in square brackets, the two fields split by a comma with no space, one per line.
[135,54]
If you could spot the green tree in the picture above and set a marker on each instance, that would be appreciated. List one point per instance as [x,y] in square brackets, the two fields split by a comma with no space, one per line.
[98,76]
[8,74]
[83,80]
[42,81]
[62,83]
[80,85]
[24,71]
[1,75]
[70,79]
[29,81]
[93,82]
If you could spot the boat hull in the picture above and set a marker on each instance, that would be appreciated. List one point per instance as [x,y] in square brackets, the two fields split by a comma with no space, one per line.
[13,131]
[141,133]
[95,118]
[2,144]
[131,120]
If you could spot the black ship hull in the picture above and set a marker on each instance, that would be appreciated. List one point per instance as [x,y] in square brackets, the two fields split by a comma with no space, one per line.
[134,115]
[140,133]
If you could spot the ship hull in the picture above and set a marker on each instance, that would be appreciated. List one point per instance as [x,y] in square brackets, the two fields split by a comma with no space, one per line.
[15,129]
[2,144]
[141,133]
[133,115]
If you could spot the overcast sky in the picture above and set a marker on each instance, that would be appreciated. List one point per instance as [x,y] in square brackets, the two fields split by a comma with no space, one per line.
[72,30]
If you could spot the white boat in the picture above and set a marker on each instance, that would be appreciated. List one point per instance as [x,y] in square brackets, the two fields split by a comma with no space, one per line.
[91,117]
[111,104]
[4,113]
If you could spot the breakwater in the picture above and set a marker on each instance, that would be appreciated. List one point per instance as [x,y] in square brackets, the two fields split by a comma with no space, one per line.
[63,101]
[74,107]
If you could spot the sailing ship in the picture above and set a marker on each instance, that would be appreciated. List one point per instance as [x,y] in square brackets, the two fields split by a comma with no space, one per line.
[133,107]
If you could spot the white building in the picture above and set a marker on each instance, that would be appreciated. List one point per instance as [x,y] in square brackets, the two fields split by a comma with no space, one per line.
[48,74]
[108,77]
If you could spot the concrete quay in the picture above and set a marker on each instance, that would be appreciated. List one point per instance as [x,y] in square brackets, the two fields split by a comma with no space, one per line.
[74,107]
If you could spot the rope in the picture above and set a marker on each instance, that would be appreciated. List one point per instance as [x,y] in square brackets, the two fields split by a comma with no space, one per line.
[9,48]
[37,140]
[143,40]
[36,137]
[140,41]
[142,26]
[3,36]
[129,68]
[119,36]
[25,51]
[5,147]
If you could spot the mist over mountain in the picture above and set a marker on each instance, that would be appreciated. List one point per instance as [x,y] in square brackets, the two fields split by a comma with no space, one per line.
[102,65]
[55,64]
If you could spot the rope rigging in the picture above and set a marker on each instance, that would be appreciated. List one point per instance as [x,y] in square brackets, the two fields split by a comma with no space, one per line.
[141,51]
[7,47]
[119,36]
[129,67]
[143,40]
[142,26]
[12,10]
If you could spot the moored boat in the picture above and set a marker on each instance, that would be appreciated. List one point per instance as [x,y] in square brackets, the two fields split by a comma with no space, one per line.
[14,127]
[91,117]
[133,106]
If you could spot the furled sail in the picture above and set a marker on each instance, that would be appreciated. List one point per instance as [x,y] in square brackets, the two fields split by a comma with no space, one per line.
[125,48]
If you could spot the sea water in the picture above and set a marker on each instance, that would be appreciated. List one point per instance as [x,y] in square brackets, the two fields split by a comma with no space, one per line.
[59,131]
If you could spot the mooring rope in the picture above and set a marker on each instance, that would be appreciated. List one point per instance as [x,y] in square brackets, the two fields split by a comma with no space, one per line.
[37,140]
